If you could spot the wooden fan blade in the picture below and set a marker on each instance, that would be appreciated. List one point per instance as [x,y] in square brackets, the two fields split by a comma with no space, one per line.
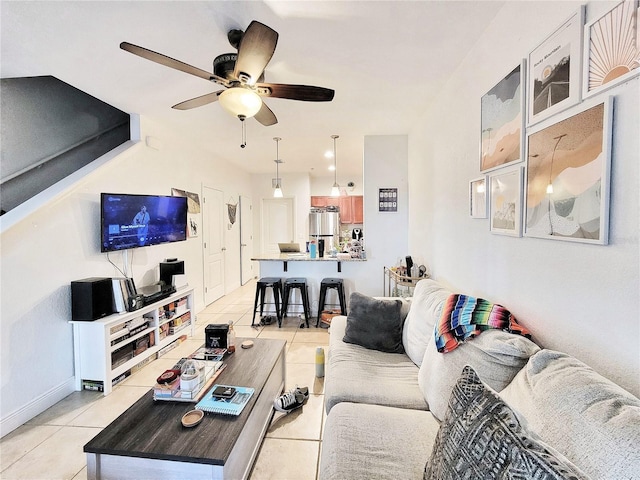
[198,101]
[256,49]
[265,116]
[172,63]
[306,93]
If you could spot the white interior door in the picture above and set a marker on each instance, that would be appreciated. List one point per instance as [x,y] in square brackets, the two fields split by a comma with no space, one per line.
[246,239]
[277,223]
[214,250]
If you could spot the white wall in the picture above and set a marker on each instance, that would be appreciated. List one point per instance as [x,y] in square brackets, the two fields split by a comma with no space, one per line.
[59,243]
[386,234]
[577,298]
[295,186]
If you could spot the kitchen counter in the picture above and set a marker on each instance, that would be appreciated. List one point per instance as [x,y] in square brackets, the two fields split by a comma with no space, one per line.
[287,265]
[304,257]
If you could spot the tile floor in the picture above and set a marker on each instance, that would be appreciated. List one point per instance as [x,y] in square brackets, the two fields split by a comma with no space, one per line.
[50,445]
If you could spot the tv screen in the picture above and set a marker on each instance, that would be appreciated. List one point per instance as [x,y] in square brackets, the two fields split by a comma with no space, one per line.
[131,221]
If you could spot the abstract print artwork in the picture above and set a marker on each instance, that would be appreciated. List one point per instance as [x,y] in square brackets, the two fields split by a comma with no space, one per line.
[505,201]
[554,69]
[502,122]
[612,53]
[567,182]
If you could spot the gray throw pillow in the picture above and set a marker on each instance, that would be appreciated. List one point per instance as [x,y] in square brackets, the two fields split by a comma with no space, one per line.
[481,437]
[374,324]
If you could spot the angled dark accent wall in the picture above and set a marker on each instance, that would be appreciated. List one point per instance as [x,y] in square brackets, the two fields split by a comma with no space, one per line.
[50,129]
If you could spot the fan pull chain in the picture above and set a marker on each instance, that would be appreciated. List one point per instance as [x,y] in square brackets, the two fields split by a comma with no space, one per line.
[244,131]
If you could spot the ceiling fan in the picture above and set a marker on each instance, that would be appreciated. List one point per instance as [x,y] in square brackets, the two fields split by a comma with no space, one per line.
[242,75]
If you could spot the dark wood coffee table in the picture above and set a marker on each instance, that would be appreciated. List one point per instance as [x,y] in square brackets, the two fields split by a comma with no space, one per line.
[149,441]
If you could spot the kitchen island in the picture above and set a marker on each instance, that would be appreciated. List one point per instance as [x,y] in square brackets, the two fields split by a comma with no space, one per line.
[287,265]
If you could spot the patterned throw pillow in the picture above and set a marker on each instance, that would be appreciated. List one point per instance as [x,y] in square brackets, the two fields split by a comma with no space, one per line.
[481,438]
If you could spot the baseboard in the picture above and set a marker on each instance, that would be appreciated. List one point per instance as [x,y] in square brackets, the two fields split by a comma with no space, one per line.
[36,407]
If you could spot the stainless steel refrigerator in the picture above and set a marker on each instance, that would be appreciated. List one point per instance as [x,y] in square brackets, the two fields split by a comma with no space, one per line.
[325,225]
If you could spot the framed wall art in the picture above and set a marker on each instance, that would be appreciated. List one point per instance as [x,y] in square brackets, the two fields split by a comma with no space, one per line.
[478,198]
[554,71]
[567,181]
[387,199]
[612,48]
[505,212]
[502,122]
[193,209]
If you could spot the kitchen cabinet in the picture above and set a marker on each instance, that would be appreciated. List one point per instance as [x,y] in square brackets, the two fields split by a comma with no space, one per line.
[325,201]
[351,207]
[358,209]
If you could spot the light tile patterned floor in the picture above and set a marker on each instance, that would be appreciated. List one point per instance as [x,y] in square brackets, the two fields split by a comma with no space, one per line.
[50,445]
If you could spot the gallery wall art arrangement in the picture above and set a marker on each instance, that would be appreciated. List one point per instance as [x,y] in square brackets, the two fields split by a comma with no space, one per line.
[546,131]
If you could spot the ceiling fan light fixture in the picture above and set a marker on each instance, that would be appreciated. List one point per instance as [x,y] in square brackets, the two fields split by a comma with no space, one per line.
[240,101]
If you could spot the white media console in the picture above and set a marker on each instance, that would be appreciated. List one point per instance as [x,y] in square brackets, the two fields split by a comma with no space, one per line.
[106,350]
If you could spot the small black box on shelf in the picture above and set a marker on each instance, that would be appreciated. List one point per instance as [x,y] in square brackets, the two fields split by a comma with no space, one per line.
[215,335]
[91,298]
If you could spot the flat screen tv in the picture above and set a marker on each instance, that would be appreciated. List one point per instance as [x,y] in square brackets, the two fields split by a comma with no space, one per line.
[131,221]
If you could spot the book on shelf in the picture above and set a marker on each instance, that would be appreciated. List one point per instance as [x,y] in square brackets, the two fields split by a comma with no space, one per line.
[123,289]
[226,406]
[172,391]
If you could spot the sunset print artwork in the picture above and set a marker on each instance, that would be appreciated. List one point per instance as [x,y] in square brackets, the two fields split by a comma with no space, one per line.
[612,53]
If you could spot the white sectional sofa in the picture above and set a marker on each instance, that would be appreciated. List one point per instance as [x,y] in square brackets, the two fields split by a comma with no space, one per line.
[422,414]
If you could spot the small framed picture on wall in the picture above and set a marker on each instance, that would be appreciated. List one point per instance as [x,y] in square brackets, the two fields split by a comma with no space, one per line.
[388,200]
[506,201]
[478,198]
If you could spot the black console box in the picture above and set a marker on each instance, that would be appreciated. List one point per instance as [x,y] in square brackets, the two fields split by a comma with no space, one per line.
[91,298]
[153,293]
[215,335]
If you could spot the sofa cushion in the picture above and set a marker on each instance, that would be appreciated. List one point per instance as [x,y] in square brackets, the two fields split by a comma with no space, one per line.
[481,437]
[357,374]
[425,310]
[592,421]
[374,323]
[495,355]
[371,441]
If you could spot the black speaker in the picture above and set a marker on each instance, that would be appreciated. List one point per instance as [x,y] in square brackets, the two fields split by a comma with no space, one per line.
[169,268]
[91,298]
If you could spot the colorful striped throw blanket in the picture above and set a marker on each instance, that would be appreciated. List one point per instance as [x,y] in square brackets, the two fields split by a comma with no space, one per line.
[464,317]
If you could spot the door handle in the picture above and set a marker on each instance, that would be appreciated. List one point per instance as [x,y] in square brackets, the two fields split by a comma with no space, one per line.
[243,244]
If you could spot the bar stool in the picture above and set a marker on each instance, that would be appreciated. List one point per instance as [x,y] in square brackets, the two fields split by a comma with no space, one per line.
[299,283]
[331,283]
[275,284]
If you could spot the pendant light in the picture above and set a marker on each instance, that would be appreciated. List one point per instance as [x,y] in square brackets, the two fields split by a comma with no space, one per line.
[277,191]
[335,190]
